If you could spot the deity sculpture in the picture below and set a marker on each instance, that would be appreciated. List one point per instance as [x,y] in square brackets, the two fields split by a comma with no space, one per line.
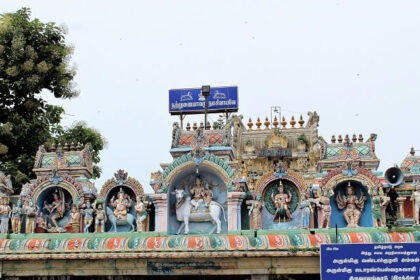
[324,208]
[40,223]
[121,205]
[255,213]
[141,211]
[415,197]
[350,203]
[17,217]
[379,204]
[75,218]
[88,216]
[5,212]
[305,205]
[29,210]
[282,204]
[198,194]
[100,217]
[57,208]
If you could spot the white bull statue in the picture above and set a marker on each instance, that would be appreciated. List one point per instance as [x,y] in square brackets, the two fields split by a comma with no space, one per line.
[184,215]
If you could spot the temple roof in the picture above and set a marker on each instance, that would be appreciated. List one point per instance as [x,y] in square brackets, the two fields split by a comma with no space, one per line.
[411,164]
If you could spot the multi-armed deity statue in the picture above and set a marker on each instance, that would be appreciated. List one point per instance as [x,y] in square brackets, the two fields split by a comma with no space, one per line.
[350,202]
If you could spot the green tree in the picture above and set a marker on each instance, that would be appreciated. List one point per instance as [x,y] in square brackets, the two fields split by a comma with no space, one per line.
[80,132]
[34,60]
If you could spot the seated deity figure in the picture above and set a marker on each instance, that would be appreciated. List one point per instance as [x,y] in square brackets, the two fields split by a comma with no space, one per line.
[17,217]
[350,203]
[121,204]
[198,193]
[415,197]
[40,224]
[282,204]
[57,208]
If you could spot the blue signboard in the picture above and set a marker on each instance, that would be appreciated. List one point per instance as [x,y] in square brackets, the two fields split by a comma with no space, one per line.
[370,261]
[191,101]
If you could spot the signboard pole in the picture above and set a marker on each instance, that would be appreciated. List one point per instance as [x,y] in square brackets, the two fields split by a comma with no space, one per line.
[205,91]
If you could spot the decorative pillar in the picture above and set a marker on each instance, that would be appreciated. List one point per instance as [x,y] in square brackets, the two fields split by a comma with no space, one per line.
[161,211]
[234,210]
[401,200]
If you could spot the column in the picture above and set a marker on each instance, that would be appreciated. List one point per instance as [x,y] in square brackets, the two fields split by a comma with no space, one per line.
[401,200]
[234,210]
[161,208]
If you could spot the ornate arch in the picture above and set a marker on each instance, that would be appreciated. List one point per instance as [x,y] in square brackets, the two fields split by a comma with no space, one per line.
[366,177]
[291,176]
[66,182]
[121,179]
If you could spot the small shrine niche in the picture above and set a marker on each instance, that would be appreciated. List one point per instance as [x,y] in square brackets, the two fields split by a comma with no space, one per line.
[204,193]
[351,205]
[127,208]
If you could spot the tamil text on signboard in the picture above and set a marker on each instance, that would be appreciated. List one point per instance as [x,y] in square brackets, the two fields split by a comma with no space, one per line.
[191,101]
[370,261]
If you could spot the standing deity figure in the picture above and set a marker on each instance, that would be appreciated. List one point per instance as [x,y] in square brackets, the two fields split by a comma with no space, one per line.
[282,204]
[100,217]
[17,217]
[255,213]
[350,202]
[29,210]
[121,204]
[40,224]
[88,216]
[305,205]
[5,212]
[379,204]
[415,197]
[75,218]
[324,208]
[141,211]
[198,193]
[385,200]
[57,208]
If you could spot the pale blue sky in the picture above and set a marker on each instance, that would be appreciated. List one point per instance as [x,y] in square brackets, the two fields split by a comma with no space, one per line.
[357,63]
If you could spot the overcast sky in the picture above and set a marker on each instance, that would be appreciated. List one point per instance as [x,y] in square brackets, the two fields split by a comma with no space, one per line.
[357,63]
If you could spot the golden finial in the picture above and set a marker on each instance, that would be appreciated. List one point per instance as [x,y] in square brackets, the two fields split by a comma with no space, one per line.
[66,147]
[201,125]
[79,146]
[188,127]
[258,123]
[354,138]
[195,126]
[208,126]
[250,124]
[52,147]
[360,138]
[301,121]
[266,123]
[275,122]
[72,146]
[340,139]
[333,139]
[283,123]
[293,122]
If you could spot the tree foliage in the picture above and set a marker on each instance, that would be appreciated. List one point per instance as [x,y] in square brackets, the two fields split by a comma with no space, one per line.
[34,60]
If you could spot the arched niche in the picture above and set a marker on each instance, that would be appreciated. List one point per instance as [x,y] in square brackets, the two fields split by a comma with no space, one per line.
[46,196]
[363,180]
[121,182]
[292,183]
[337,217]
[184,179]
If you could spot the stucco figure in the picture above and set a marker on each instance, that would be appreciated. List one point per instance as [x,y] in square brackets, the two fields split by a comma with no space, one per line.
[17,212]
[282,204]
[415,197]
[350,202]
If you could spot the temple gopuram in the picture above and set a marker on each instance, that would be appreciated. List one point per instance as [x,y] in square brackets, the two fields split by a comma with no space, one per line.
[245,199]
